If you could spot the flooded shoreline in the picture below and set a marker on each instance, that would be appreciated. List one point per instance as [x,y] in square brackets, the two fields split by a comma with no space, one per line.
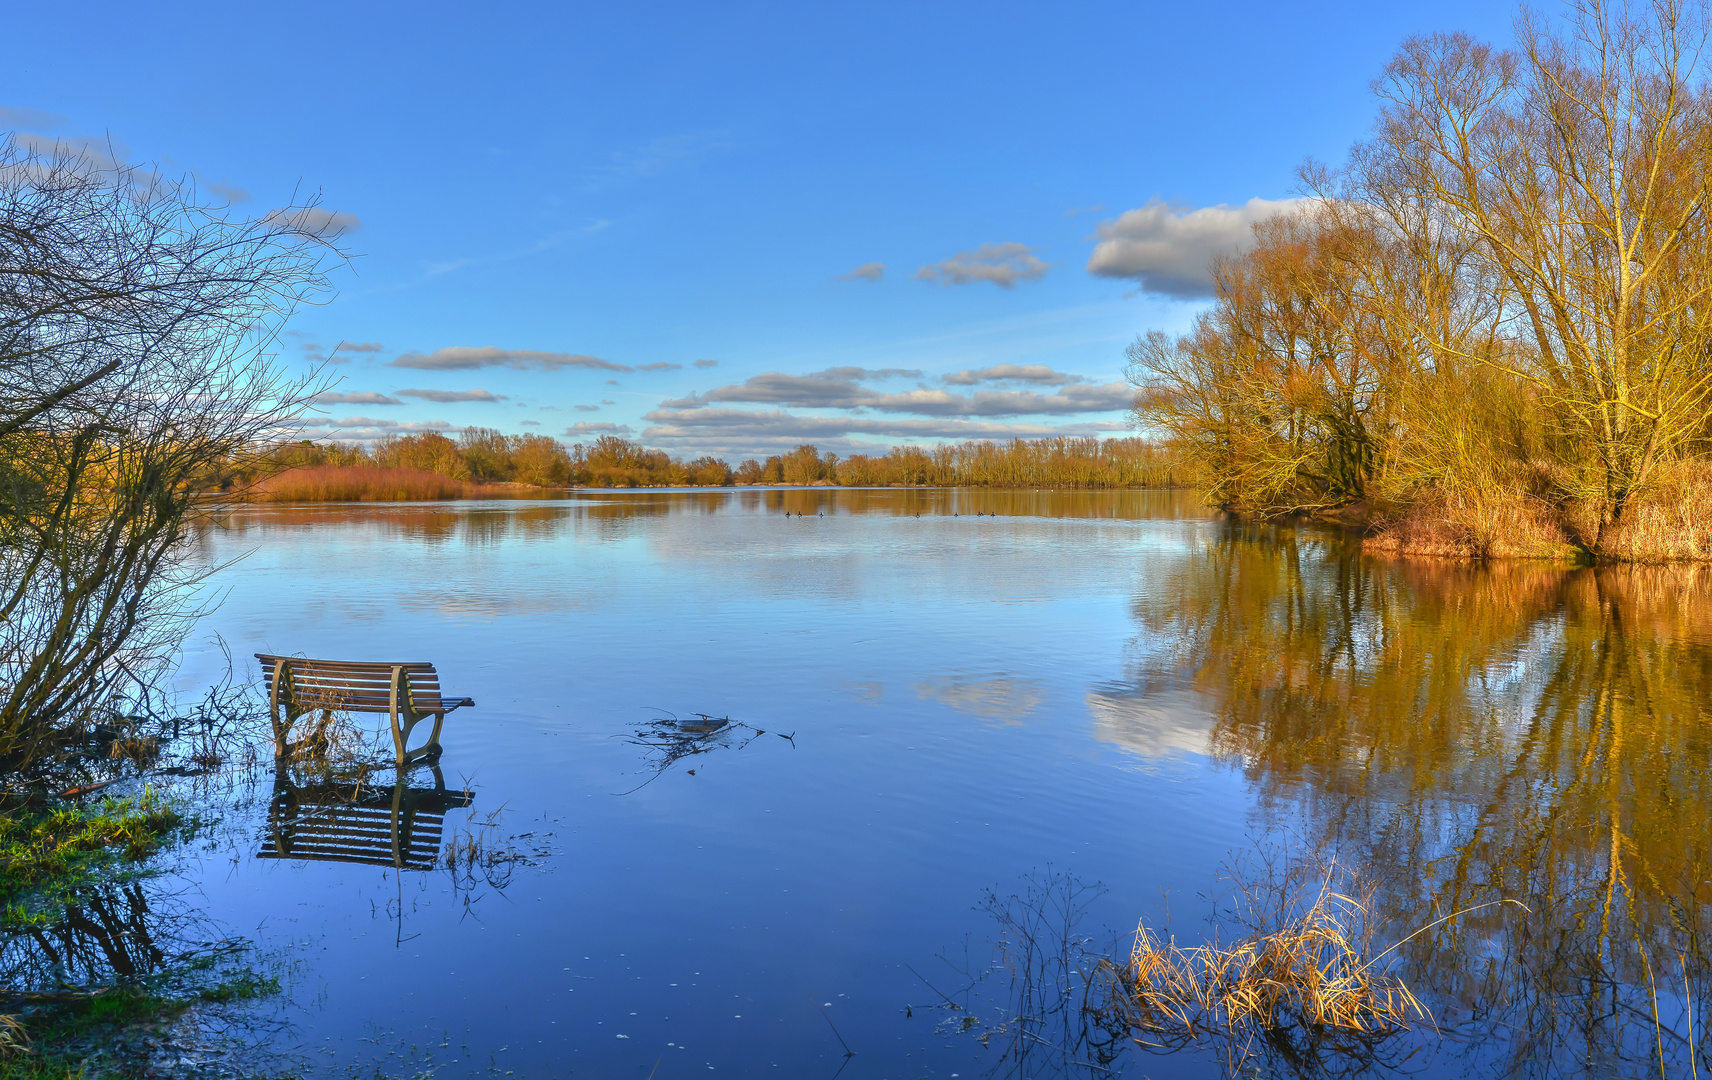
[760,773]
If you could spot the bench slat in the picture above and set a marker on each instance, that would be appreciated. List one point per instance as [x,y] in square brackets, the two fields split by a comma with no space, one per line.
[345,665]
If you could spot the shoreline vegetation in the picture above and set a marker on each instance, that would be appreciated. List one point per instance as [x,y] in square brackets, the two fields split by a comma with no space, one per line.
[483,463]
[1485,333]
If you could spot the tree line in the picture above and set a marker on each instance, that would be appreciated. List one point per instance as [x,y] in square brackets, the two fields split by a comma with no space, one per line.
[292,471]
[1492,325]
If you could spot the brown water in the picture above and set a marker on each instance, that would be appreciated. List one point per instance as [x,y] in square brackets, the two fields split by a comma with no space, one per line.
[1082,687]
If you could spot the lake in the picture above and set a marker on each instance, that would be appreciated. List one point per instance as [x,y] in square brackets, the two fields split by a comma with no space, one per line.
[929,708]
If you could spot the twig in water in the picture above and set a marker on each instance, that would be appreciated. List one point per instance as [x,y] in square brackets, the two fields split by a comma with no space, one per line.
[849,1053]
[935,989]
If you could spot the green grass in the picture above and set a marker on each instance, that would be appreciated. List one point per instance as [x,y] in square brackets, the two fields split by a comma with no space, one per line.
[47,852]
[67,1039]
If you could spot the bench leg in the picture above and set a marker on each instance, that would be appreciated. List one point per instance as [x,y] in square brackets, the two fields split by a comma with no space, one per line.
[401,729]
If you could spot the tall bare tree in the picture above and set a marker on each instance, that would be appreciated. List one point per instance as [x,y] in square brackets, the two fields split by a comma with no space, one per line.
[136,322]
[1578,170]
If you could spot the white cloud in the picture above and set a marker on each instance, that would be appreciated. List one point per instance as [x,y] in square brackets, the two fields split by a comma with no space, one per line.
[466,358]
[1034,373]
[360,346]
[706,363]
[444,396]
[314,221]
[826,390]
[737,433]
[1167,248]
[660,366]
[1002,264]
[366,398]
[229,192]
[31,119]
[586,408]
[872,271]
[366,429]
[577,431]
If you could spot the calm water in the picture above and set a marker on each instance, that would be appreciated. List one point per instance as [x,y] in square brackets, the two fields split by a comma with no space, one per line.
[1112,688]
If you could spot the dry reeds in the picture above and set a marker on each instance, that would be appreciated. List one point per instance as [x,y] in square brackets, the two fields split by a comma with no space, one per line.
[1308,976]
[362,483]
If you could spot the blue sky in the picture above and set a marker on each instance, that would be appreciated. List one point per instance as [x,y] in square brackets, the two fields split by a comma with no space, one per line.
[670,221]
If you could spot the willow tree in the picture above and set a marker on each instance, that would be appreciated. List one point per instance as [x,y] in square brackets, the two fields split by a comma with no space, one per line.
[135,328]
[1577,171]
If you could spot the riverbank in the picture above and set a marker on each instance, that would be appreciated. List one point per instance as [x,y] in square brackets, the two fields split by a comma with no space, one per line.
[1672,522]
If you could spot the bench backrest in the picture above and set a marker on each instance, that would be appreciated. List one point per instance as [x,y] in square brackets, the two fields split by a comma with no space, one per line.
[349,685]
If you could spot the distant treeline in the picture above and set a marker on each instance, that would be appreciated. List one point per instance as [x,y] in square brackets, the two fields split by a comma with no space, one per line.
[430,466]
[1056,462]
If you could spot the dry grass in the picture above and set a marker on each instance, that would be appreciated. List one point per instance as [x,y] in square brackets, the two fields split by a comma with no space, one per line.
[1498,522]
[1673,522]
[1308,975]
[362,483]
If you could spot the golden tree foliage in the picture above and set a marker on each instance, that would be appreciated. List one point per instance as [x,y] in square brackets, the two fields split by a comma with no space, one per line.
[1501,307]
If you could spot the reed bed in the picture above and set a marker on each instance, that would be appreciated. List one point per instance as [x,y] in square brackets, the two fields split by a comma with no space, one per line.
[362,483]
[1309,975]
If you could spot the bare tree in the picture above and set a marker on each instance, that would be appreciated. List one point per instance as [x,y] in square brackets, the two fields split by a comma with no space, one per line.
[136,322]
[1578,169]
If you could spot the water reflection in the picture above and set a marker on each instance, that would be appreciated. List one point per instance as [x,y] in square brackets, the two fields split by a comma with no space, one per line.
[330,820]
[108,933]
[1471,734]
[488,524]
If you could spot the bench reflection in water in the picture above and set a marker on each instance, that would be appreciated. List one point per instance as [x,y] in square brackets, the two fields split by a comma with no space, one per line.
[334,821]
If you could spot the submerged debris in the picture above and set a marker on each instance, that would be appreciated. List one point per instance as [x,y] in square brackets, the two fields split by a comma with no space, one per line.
[667,740]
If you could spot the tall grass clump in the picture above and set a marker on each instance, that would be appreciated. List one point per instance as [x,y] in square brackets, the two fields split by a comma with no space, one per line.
[1311,978]
[361,483]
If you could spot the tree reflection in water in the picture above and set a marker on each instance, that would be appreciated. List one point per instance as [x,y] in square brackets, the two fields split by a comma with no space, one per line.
[110,934]
[1468,734]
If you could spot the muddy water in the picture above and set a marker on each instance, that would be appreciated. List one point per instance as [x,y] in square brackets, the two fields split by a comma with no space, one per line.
[934,696]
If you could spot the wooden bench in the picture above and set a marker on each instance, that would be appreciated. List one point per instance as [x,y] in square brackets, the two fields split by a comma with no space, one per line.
[401,826]
[407,693]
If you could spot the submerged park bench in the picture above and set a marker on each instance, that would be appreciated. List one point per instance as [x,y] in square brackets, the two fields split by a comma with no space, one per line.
[407,693]
[399,826]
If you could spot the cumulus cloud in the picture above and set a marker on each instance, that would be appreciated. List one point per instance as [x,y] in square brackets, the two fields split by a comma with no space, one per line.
[603,401]
[577,431]
[314,221]
[467,358]
[873,271]
[531,423]
[827,390]
[661,366]
[586,408]
[1034,373]
[444,396]
[707,363]
[1002,264]
[360,346]
[1166,248]
[366,398]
